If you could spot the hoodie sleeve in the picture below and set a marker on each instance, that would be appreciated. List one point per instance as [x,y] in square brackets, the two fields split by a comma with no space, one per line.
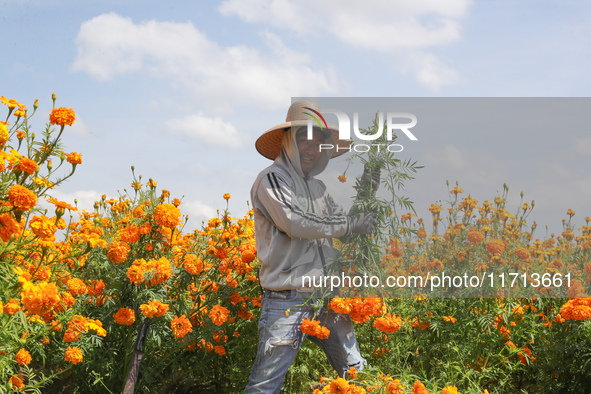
[278,203]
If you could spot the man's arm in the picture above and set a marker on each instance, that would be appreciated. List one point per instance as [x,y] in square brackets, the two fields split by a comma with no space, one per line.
[279,204]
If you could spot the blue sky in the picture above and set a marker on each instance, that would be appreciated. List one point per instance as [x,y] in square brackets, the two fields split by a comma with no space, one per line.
[181,90]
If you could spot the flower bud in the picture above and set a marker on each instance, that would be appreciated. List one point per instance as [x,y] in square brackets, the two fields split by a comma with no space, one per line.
[53,97]
[36,104]
[49,165]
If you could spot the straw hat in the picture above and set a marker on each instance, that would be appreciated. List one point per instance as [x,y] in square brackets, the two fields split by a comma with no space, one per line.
[269,144]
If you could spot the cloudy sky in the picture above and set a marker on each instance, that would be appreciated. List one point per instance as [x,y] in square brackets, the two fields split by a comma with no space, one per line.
[182,89]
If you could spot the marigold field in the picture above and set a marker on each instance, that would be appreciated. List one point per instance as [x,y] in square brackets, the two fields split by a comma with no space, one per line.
[125,298]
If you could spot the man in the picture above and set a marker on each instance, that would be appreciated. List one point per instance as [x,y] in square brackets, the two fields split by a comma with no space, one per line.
[295,221]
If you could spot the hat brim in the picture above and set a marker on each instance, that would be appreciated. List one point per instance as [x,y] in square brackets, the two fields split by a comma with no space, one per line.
[269,143]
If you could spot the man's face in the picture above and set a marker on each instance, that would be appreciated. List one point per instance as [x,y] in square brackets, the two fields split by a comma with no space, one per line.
[309,149]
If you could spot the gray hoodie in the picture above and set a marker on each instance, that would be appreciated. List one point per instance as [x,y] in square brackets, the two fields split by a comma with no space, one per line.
[295,220]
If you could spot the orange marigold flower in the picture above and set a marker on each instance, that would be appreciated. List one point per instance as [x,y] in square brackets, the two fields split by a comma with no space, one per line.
[522,253]
[388,323]
[338,386]
[313,327]
[41,298]
[226,196]
[73,355]
[419,388]
[124,316]
[450,319]
[21,197]
[577,309]
[96,287]
[395,387]
[193,264]
[342,178]
[129,234]
[74,158]
[76,286]
[154,309]
[42,226]
[218,315]
[158,271]
[17,381]
[351,373]
[135,272]
[27,165]
[62,116]
[220,350]
[23,357]
[118,252]
[167,215]
[181,326]
[475,236]
[8,226]
[496,246]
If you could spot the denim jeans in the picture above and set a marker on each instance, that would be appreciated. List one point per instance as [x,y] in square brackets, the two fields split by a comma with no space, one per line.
[280,339]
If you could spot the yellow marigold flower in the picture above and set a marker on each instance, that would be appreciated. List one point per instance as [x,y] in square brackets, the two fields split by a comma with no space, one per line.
[62,116]
[124,316]
[76,286]
[21,197]
[8,226]
[73,355]
[23,357]
[3,133]
[118,252]
[74,158]
[218,315]
[226,196]
[167,215]
[181,326]
[450,390]
[17,381]
[42,227]
[154,309]
[388,323]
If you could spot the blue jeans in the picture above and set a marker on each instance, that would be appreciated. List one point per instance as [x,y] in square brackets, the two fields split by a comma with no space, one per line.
[280,339]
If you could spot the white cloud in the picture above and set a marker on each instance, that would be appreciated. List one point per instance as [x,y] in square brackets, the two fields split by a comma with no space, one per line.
[199,210]
[583,146]
[377,24]
[110,45]
[210,130]
[399,27]
[429,71]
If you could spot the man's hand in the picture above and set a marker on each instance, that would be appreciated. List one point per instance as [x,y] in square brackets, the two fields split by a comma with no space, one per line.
[363,223]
